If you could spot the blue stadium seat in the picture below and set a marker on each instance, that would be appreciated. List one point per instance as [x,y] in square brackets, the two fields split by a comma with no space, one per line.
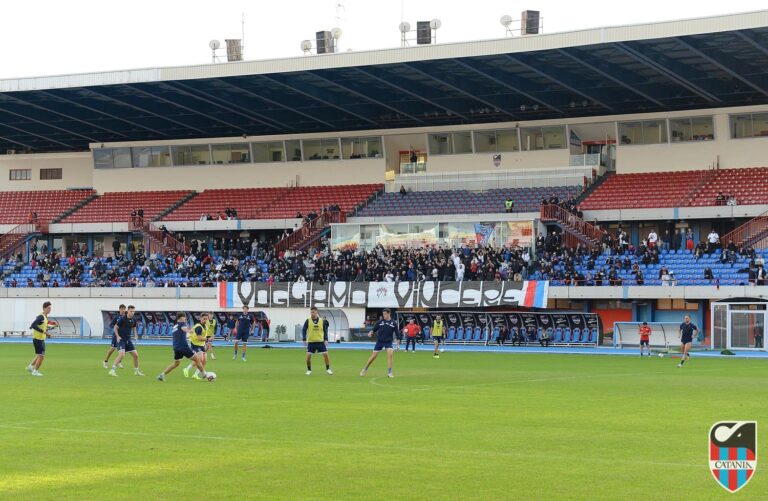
[558,337]
[576,335]
[567,335]
[460,334]
[478,334]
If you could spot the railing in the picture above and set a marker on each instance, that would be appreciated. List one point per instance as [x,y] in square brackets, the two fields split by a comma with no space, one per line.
[490,179]
[756,228]
[13,237]
[157,238]
[591,233]
[705,177]
[310,229]
[589,159]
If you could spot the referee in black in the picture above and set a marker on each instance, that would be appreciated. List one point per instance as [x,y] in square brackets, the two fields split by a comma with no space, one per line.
[687,328]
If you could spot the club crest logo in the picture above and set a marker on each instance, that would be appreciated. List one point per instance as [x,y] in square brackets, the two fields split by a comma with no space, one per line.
[733,453]
[381,292]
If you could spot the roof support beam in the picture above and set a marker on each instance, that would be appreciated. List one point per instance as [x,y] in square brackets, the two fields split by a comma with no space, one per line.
[668,69]
[461,89]
[148,112]
[216,101]
[615,74]
[514,87]
[3,138]
[44,138]
[186,108]
[24,102]
[319,99]
[399,88]
[721,62]
[751,40]
[557,80]
[368,98]
[273,102]
[102,112]
[25,117]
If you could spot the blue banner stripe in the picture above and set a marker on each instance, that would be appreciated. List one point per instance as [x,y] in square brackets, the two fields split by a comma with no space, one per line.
[540,300]
[230,294]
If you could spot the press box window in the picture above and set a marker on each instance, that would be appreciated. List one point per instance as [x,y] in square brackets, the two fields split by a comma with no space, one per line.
[50,174]
[20,174]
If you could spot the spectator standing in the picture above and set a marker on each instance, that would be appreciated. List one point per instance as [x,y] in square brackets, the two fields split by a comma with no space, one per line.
[713,241]
[645,338]
[652,239]
[758,332]
[412,331]
[509,205]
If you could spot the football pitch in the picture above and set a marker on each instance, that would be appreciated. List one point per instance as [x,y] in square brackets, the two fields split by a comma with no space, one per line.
[465,426]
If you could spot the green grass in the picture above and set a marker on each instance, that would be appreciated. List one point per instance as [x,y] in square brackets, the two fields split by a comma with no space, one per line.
[466,426]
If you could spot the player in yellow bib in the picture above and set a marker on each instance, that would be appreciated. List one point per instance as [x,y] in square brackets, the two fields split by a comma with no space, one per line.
[39,333]
[314,334]
[438,331]
[197,342]
[210,333]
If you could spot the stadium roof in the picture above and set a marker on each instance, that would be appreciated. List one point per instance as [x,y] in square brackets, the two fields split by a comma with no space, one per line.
[677,65]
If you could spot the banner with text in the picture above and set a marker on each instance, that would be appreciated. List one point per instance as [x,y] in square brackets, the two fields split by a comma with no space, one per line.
[531,293]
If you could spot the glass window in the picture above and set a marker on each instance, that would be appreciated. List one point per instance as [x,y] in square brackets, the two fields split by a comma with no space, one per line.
[102,158]
[554,137]
[654,131]
[196,154]
[691,129]
[533,138]
[631,132]
[268,152]
[121,158]
[230,153]
[152,156]
[361,147]
[645,132]
[462,142]
[506,140]
[20,174]
[293,150]
[749,125]
[440,144]
[49,174]
[321,149]
[485,141]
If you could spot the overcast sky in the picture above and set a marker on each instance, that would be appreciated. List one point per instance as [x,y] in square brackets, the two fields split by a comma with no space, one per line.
[52,37]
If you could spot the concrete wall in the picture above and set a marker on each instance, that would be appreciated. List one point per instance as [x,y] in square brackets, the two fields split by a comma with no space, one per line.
[320,172]
[89,303]
[513,160]
[77,171]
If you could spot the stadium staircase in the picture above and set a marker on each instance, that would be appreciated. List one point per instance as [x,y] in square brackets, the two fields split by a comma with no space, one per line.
[593,187]
[75,208]
[706,178]
[753,233]
[176,205]
[575,230]
[310,232]
[362,205]
[156,241]
[16,236]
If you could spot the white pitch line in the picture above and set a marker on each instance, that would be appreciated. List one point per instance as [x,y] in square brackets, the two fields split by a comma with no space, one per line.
[348,445]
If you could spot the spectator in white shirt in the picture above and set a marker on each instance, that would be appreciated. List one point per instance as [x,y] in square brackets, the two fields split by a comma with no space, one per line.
[713,240]
[652,239]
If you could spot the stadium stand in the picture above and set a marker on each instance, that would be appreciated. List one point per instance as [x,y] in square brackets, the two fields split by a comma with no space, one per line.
[642,191]
[312,198]
[683,268]
[748,186]
[463,201]
[272,203]
[116,206]
[248,202]
[698,188]
[15,206]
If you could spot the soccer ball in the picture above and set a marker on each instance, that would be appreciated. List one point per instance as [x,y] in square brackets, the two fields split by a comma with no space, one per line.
[661,355]
[210,376]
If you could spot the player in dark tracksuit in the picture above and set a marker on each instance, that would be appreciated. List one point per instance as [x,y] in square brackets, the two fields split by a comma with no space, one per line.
[243,329]
[687,328]
[113,346]
[386,329]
